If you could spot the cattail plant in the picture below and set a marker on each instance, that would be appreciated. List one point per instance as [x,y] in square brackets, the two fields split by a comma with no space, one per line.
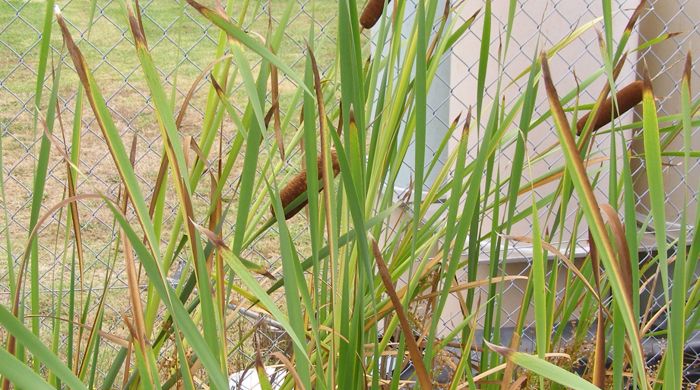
[294,196]
[366,263]
[372,12]
[625,100]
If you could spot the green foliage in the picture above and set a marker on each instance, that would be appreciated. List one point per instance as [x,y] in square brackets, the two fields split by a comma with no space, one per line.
[338,296]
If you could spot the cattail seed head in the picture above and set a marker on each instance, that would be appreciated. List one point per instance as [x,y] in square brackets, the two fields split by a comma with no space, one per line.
[370,15]
[627,97]
[297,187]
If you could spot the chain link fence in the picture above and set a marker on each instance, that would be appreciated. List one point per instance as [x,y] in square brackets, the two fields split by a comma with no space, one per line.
[182,43]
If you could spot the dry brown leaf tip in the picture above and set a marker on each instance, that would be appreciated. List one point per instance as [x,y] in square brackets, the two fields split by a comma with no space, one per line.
[504,351]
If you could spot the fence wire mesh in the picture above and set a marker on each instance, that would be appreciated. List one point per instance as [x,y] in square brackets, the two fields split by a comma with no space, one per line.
[182,43]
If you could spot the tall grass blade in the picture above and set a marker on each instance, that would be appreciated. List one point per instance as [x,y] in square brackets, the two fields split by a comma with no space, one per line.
[40,352]
[174,150]
[677,317]
[111,134]
[416,356]
[539,287]
[654,173]
[44,49]
[598,369]
[18,373]
[591,211]
[255,288]
[542,367]
[240,36]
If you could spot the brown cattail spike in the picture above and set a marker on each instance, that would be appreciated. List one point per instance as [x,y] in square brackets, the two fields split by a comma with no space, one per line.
[627,98]
[373,10]
[297,187]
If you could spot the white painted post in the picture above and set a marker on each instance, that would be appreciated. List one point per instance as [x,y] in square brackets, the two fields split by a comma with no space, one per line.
[438,107]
